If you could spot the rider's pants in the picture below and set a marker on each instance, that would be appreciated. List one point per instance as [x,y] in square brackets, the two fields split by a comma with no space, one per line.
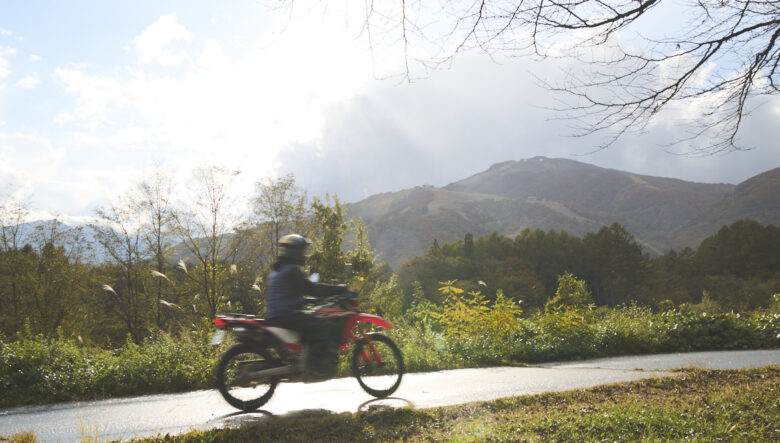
[315,337]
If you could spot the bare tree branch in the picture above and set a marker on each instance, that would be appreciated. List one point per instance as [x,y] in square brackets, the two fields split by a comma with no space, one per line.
[725,57]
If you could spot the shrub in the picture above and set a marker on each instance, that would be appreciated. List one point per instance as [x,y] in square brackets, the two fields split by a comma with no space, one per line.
[572,293]
[469,315]
[35,369]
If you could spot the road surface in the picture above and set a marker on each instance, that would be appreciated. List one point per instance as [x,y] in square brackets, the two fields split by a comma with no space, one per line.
[176,413]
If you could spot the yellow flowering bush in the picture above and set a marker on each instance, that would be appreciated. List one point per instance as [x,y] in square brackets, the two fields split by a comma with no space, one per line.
[470,314]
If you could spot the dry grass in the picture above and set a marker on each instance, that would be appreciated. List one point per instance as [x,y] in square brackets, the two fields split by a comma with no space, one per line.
[699,405]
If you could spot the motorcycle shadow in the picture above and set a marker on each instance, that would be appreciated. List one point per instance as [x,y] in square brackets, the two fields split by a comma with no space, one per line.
[241,418]
[382,404]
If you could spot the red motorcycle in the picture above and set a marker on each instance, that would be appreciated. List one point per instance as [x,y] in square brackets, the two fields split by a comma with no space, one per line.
[249,371]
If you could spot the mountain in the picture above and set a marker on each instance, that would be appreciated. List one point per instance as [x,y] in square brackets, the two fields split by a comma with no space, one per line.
[565,195]
[757,198]
[63,228]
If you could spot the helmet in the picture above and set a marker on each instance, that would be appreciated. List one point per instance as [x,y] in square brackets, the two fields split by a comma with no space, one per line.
[293,246]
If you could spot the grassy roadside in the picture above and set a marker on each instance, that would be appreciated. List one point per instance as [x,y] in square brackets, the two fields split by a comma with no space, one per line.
[40,370]
[698,405]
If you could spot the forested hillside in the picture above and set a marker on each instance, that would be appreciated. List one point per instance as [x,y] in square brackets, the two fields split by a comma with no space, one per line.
[737,268]
[757,198]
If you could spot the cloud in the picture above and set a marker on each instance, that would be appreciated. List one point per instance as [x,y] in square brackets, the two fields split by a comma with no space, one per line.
[305,103]
[64,117]
[25,162]
[96,96]
[461,121]
[5,66]
[34,58]
[64,178]
[243,106]
[165,42]
[28,82]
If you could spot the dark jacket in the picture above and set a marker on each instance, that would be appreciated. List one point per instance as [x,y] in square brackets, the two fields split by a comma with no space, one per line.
[288,285]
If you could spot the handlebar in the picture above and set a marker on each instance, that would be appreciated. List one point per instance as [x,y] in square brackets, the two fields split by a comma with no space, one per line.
[348,299]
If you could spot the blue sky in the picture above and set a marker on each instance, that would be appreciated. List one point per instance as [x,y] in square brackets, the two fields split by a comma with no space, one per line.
[93,94]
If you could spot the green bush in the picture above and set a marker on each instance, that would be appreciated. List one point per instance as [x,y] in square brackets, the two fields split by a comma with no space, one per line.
[35,369]
[579,334]
[572,293]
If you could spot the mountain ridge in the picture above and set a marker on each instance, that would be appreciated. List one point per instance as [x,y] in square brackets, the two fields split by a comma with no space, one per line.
[559,194]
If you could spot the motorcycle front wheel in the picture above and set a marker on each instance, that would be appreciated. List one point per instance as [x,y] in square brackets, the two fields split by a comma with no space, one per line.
[378,365]
[235,381]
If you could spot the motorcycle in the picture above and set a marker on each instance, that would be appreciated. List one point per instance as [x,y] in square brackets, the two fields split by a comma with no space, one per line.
[248,372]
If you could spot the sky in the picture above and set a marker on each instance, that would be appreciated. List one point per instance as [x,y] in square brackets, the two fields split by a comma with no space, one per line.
[95,94]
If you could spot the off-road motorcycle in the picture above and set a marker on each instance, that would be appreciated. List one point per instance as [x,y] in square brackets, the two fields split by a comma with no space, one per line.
[248,372]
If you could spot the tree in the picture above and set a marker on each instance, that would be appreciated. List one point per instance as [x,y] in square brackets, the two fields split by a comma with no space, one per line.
[552,254]
[331,228]
[57,280]
[468,245]
[726,53]
[572,293]
[12,262]
[434,249]
[279,208]
[207,230]
[153,203]
[118,233]
[744,249]
[615,264]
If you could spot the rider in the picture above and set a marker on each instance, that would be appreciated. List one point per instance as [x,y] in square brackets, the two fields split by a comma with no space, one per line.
[284,300]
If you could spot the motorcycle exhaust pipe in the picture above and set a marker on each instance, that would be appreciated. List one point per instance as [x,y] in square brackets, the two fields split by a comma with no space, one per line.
[281,370]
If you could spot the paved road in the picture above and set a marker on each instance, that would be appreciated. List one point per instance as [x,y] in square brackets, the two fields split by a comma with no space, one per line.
[175,413]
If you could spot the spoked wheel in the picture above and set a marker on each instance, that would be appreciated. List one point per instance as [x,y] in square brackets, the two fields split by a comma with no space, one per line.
[235,380]
[378,365]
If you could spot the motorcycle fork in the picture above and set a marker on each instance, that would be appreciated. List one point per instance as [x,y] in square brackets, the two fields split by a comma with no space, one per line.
[365,355]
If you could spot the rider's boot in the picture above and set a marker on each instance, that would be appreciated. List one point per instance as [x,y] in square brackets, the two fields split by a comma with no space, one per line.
[313,365]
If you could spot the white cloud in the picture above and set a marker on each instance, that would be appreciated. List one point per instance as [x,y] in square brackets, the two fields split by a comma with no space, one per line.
[34,58]
[165,42]
[5,66]
[213,56]
[26,161]
[244,106]
[28,82]
[95,95]
[231,106]
[461,121]
[301,100]
[64,117]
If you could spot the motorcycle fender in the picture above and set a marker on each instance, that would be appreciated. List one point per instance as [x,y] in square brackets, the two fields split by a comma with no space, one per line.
[375,319]
[287,336]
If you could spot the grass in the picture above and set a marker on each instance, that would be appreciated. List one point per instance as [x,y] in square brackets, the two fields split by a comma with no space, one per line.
[24,437]
[39,370]
[697,405]
[601,333]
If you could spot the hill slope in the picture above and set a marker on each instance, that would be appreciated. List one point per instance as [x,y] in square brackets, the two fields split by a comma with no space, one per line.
[563,195]
[757,198]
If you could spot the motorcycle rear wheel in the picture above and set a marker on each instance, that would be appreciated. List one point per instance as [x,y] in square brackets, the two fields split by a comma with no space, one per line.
[378,365]
[233,380]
